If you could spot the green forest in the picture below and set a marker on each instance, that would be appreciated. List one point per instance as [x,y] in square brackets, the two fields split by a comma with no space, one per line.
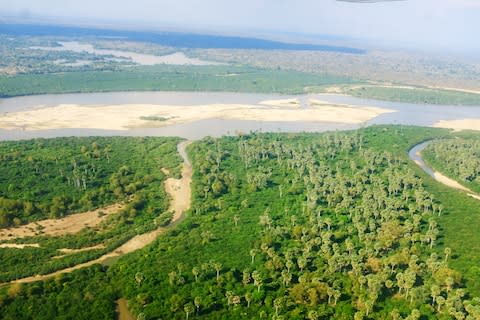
[282,226]
[167,78]
[458,158]
[53,178]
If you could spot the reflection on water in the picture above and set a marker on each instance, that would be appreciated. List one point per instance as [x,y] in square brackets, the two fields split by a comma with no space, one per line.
[407,114]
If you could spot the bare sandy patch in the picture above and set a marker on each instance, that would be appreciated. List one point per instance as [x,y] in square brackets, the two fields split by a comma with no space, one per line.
[122,310]
[19,246]
[179,189]
[281,103]
[449,182]
[474,196]
[463,124]
[457,89]
[68,251]
[393,86]
[71,224]
[334,89]
[124,117]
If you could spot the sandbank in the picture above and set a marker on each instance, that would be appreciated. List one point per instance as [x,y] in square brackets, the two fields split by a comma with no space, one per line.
[125,117]
[462,124]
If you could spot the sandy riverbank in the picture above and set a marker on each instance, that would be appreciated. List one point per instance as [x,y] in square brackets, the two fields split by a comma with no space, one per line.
[58,227]
[124,117]
[463,124]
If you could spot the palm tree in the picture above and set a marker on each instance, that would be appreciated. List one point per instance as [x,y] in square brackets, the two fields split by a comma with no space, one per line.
[312,315]
[447,252]
[257,279]
[188,308]
[286,277]
[253,253]
[195,272]
[198,302]
[302,263]
[278,304]
[440,302]
[246,277]
[248,298]
[435,292]
[217,266]
[236,218]
[172,276]
[139,277]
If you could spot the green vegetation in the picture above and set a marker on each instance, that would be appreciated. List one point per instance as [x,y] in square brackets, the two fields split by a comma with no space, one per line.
[454,157]
[153,118]
[416,95]
[166,78]
[52,178]
[295,226]
[82,295]
[457,158]
[19,56]
[218,78]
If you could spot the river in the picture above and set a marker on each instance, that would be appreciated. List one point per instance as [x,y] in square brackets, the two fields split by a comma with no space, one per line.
[406,113]
[177,58]
[415,154]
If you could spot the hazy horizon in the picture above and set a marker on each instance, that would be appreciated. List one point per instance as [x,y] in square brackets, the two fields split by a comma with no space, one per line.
[449,25]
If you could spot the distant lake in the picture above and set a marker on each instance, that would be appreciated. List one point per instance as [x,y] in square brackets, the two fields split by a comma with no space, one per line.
[407,114]
[171,39]
[177,58]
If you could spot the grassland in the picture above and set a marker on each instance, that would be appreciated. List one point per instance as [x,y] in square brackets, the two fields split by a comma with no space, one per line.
[167,78]
[415,95]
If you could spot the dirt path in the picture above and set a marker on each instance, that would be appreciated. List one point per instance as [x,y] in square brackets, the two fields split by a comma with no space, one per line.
[179,191]
[68,251]
[19,246]
[59,227]
[122,310]
[415,155]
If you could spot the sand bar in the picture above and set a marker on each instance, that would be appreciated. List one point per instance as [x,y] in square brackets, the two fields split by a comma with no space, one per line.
[463,124]
[125,117]
[281,103]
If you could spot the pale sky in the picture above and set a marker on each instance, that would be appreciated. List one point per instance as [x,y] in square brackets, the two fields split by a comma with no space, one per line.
[434,24]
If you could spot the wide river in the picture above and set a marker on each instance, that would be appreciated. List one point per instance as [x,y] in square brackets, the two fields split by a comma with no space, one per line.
[407,114]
